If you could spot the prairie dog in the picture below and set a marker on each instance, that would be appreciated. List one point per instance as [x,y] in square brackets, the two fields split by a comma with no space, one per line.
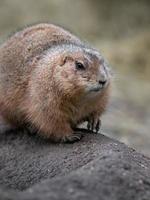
[51,81]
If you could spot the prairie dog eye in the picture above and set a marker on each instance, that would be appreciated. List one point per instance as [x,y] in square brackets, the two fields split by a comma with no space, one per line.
[79,66]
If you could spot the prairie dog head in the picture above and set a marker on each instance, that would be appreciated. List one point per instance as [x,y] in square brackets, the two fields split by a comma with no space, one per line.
[79,70]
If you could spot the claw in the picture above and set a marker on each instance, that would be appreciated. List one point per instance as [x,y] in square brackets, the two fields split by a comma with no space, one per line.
[88,125]
[72,138]
[98,125]
[92,125]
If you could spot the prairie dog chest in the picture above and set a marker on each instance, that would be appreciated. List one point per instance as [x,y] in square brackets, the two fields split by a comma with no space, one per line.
[84,109]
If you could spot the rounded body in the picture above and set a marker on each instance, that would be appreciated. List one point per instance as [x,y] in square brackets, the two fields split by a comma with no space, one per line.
[38,87]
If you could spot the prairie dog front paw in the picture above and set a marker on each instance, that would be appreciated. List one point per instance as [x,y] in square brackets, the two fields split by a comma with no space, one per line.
[94,123]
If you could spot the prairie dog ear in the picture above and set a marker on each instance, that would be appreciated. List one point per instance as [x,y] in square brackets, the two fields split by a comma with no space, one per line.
[65,59]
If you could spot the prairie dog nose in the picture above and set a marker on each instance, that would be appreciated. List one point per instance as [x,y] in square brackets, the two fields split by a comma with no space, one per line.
[102,82]
[102,76]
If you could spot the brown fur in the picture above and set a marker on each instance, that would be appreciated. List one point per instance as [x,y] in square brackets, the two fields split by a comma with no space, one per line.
[40,86]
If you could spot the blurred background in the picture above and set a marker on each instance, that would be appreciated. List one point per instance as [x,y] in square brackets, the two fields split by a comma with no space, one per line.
[121,31]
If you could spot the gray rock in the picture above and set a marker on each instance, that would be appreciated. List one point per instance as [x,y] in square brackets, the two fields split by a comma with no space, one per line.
[95,168]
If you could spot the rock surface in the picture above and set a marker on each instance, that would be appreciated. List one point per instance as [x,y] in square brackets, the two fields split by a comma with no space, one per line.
[95,168]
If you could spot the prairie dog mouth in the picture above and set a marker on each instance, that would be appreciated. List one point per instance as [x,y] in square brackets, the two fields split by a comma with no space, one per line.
[95,88]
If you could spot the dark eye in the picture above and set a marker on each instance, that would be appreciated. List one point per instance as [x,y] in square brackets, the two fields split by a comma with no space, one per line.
[79,66]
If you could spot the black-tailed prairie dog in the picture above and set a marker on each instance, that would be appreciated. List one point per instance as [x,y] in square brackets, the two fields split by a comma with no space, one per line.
[51,81]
